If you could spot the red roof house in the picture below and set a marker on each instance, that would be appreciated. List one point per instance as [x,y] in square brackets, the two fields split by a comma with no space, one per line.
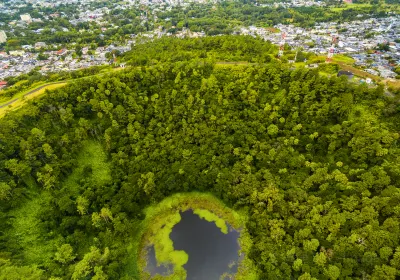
[62,52]
[3,84]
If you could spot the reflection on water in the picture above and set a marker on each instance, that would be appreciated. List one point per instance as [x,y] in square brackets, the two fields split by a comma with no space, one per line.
[212,253]
[152,266]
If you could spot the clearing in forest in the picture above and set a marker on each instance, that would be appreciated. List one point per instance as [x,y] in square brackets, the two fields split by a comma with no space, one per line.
[26,228]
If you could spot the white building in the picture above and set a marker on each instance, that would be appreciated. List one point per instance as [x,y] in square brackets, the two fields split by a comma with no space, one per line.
[39,45]
[3,37]
[26,17]
[387,74]
[17,53]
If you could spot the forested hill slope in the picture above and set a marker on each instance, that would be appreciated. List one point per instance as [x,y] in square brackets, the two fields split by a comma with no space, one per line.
[220,48]
[314,161]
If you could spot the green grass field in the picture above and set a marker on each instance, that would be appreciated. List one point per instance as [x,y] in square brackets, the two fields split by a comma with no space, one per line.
[299,64]
[22,100]
[5,99]
[49,86]
[358,72]
[94,156]
[343,58]
[351,6]
[26,226]
[360,6]
[26,229]
[394,84]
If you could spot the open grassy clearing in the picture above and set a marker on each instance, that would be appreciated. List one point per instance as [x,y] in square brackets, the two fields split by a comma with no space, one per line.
[351,6]
[393,83]
[358,72]
[273,29]
[316,59]
[4,98]
[35,86]
[361,6]
[20,82]
[38,89]
[25,221]
[343,58]
[300,64]
[23,99]
[26,230]
[93,156]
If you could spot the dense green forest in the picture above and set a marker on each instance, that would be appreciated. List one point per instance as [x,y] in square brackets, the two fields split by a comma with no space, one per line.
[219,48]
[313,161]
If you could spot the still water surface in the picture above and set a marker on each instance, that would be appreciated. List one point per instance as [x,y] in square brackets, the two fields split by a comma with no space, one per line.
[211,252]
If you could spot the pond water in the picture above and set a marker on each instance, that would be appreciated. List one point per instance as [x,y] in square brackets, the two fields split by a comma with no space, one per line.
[211,252]
[152,266]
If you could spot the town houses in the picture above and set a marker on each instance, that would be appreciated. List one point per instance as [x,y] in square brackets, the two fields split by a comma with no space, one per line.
[15,63]
[357,39]
[373,43]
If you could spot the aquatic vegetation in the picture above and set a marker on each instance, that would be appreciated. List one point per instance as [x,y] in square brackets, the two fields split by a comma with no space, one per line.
[163,245]
[210,217]
[162,217]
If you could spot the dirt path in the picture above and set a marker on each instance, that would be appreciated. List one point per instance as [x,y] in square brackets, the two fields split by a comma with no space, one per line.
[8,103]
[56,83]
[29,93]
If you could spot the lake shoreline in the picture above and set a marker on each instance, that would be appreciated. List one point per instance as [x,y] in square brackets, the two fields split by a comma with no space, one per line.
[161,217]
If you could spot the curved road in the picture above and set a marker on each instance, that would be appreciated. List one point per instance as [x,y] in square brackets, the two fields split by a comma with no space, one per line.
[29,93]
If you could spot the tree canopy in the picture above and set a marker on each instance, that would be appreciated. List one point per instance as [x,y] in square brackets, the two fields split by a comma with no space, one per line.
[313,160]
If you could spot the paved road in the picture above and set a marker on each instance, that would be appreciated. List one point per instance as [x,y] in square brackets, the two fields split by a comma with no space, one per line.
[29,93]
[8,103]
[55,83]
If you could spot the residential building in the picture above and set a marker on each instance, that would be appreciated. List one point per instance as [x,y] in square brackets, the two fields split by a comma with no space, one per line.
[388,74]
[3,37]
[62,52]
[26,17]
[40,45]
[17,53]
